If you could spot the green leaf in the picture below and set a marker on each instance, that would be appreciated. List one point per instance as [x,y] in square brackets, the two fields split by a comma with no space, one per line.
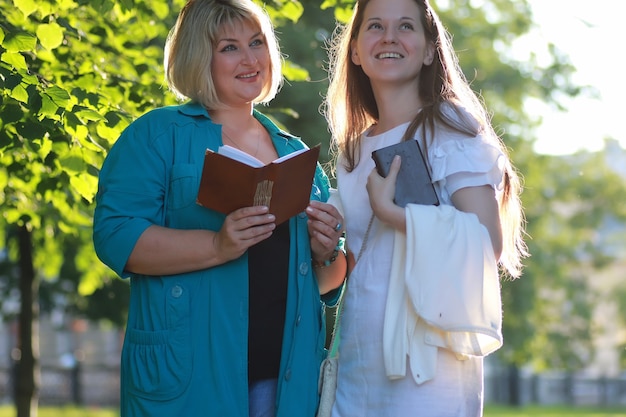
[50,35]
[11,215]
[343,14]
[59,96]
[21,41]
[89,115]
[108,133]
[45,146]
[4,180]
[12,113]
[72,163]
[14,59]
[65,4]
[50,257]
[48,107]
[88,284]
[20,94]
[161,10]
[86,185]
[27,7]
[292,10]
[78,131]
[294,72]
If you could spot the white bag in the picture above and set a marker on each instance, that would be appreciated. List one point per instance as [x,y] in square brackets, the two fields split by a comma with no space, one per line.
[327,386]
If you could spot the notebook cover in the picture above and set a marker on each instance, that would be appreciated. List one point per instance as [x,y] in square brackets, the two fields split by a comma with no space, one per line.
[285,187]
[414,184]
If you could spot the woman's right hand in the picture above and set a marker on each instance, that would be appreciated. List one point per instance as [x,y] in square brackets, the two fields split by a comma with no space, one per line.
[166,251]
[242,229]
[381,191]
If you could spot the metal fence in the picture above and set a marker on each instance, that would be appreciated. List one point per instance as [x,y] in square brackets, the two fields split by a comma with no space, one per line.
[99,386]
[85,385]
[555,388]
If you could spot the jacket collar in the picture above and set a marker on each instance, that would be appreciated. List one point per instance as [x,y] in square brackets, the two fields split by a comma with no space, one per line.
[194,109]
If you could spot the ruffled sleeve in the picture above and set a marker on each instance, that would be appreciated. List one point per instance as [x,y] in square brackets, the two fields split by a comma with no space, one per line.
[458,161]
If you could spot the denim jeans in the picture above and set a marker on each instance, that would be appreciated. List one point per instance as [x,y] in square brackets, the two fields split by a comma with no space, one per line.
[262,398]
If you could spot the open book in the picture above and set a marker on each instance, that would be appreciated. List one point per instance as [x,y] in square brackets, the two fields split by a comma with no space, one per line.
[413,184]
[232,179]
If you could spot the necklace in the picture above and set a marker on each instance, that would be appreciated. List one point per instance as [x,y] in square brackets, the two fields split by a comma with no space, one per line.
[258,141]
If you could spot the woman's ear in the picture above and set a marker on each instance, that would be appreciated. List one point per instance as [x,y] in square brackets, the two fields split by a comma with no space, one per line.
[354,55]
[429,56]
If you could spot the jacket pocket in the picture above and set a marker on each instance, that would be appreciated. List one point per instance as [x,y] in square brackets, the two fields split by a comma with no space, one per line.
[184,185]
[158,364]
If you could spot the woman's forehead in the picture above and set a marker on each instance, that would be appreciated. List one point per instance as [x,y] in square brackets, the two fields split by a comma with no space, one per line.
[238,26]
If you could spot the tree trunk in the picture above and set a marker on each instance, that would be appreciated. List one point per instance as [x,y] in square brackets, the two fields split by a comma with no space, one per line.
[27,384]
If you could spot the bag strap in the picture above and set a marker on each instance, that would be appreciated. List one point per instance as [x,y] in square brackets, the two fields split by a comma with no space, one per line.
[334,344]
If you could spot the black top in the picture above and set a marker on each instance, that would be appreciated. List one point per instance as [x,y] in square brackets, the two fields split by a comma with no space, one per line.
[268,267]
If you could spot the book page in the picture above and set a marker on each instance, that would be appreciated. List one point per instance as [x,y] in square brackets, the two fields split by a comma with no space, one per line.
[241,156]
[289,155]
[238,155]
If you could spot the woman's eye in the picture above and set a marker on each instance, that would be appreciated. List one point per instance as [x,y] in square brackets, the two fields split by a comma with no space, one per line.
[228,48]
[257,42]
[406,26]
[375,26]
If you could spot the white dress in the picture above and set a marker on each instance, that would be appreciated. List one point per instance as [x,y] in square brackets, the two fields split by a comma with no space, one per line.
[363,387]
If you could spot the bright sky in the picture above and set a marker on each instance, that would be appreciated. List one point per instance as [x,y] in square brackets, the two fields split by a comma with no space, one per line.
[592,34]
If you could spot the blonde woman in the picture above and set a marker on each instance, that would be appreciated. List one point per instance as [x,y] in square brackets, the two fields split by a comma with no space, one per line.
[225,313]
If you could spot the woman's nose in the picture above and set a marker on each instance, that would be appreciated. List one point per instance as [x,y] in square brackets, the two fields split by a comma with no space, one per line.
[249,57]
[389,36]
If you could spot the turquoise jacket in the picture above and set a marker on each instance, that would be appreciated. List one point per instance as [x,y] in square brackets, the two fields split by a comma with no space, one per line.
[185,349]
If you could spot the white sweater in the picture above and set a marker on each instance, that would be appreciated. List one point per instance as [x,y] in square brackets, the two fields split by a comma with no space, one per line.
[444,291]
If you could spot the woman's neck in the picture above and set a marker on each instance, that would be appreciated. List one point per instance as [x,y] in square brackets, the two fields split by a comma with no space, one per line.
[241,130]
[395,107]
[235,118]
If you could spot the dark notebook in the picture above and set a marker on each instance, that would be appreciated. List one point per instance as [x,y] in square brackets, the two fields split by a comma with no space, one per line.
[234,180]
[413,184]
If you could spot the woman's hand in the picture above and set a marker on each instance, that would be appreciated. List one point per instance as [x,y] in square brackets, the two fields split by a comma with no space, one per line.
[381,191]
[242,229]
[166,251]
[325,228]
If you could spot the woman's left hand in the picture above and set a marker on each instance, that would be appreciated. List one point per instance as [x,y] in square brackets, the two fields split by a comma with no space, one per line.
[325,228]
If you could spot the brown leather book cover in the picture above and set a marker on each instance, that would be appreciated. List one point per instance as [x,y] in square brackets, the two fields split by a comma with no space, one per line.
[413,184]
[283,185]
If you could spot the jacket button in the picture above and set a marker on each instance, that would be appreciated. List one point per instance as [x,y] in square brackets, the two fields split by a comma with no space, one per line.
[298,320]
[304,268]
[288,375]
[177,291]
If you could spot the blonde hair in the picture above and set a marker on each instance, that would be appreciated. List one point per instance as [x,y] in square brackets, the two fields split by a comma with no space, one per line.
[448,100]
[190,44]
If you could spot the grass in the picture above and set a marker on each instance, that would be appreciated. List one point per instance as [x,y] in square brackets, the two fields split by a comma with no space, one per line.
[552,411]
[68,411]
[490,411]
